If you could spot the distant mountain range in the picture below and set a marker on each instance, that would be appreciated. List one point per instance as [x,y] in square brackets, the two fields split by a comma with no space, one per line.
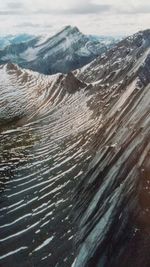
[69,49]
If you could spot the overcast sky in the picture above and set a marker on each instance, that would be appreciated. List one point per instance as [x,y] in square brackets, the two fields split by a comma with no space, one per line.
[107,17]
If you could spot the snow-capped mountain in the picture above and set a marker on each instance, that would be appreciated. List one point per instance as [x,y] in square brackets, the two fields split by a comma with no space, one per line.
[69,49]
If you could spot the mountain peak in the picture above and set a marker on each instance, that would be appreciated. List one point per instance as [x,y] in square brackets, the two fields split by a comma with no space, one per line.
[67,50]
[70,30]
[72,84]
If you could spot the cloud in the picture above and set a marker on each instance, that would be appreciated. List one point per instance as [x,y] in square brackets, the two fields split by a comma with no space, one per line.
[28,25]
[78,8]
[89,9]
[9,12]
[128,6]
[56,7]
[137,10]
[90,16]
[14,5]
[61,7]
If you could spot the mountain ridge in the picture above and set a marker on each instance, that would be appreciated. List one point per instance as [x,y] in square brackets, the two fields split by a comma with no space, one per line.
[112,199]
[92,125]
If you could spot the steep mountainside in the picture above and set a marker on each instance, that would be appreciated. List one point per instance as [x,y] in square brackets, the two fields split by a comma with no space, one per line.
[51,129]
[113,199]
[67,50]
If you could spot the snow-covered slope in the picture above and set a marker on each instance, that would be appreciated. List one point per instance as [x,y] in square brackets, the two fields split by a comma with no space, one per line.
[52,128]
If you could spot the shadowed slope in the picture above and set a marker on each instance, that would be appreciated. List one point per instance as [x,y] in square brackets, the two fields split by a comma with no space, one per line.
[112,209]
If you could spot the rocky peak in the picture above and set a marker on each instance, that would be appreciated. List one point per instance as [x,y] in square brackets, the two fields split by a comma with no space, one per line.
[72,83]
[71,29]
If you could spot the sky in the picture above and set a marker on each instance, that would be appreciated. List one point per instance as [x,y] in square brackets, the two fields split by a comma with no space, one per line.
[107,17]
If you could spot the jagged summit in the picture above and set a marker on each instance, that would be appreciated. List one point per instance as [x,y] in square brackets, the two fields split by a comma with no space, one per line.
[11,66]
[70,29]
[66,32]
[72,84]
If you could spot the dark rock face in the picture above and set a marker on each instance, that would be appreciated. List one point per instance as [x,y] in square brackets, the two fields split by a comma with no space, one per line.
[144,71]
[67,50]
[113,198]
[72,84]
